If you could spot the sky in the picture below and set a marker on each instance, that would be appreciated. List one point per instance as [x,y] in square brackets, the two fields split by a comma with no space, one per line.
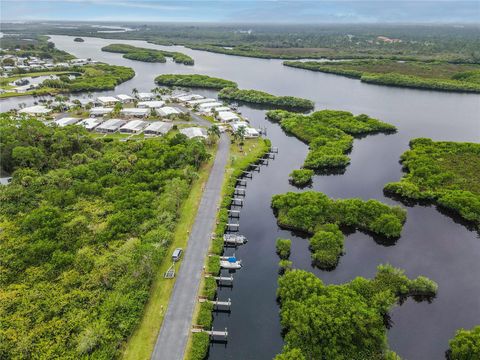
[241,11]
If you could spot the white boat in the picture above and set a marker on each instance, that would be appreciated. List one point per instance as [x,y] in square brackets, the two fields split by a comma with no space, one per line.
[234,239]
[230,262]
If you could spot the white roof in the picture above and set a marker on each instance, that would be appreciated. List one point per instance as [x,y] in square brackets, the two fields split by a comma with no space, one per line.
[124,97]
[158,127]
[151,104]
[145,95]
[227,116]
[221,108]
[90,123]
[193,132]
[37,109]
[107,99]
[112,124]
[200,101]
[100,110]
[168,110]
[189,97]
[135,125]
[209,105]
[66,121]
[135,111]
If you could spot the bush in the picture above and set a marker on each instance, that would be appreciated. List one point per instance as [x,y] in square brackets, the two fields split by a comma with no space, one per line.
[210,288]
[284,266]
[200,344]
[205,318]
[465,345]
[283,248]
[301,177]
[213,264]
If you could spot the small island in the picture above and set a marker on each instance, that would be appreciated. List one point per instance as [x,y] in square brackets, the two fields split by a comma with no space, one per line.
[446,173]
[78,39]
[316,214]
[301,177]
[345,321]
[412,74]
[194,80]
[263,98]
[329,134]
[148,55]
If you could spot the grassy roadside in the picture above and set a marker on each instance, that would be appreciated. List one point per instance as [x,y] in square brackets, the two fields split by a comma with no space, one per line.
[253,149]
[140,345]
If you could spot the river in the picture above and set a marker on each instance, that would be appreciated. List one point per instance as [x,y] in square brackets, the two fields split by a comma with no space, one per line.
[432,244]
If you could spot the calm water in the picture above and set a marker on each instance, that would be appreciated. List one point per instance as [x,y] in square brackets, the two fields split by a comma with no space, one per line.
[432,244]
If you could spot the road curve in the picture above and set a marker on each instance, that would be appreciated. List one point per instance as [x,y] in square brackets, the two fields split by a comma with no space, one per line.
[173,336]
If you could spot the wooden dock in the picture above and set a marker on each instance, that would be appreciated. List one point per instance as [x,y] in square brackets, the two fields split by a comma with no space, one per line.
[237,201]
[241,182]
[248,174]
[233,227]
[214,334]
[234,213]
[255,167]
[240,192]
[274,149]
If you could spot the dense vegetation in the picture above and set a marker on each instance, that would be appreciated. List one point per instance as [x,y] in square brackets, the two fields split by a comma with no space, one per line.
[91,78]
[294,41]
[85,224]
[447,173]
[263,98]
[33,46]
[421,75]
[328,133]
[345,321]
[283,248]
[194,80]
[301,177]
[318,215]
[465,345]
[148,55]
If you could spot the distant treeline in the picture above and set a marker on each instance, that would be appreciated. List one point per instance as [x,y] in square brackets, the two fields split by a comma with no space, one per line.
[431,76]
[194,80]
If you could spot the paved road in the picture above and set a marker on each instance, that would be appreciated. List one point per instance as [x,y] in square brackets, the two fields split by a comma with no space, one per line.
[176,325]
[196,118]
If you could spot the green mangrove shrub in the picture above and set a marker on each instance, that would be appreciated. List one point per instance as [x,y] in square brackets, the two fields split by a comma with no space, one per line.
[283,248]
[301,177]
[193,80]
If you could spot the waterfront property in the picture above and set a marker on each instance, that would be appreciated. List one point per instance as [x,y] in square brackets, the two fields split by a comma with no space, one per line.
[35,110]
[107,100]
[227,116]
[125,99]
[144,96]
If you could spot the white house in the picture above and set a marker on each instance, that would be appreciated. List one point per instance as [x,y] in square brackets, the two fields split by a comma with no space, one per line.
[133,127]
[152,104]
[125,98]
[188,97]
[158,128]
[66,121]
[144,96]
[249,131]
[227,116]
[168,110]
[206,107]
[107,100]
[35,110]
[100,111]
[135,112]
[199,101]
[110,126]
[90,123]
[193,132]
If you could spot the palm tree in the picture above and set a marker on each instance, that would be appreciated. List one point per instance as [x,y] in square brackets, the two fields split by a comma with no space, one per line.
[213,133]
[240,134]
[134,92]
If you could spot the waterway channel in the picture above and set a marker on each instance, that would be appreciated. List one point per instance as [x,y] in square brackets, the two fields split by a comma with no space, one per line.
[432,244]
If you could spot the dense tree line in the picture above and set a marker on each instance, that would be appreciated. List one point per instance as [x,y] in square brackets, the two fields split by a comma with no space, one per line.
[318,215]
[447,173]
[328,133]
[194,80]
[263,98]
[85,224]
[342,321]
[91,78]
[431,76]
[148,55]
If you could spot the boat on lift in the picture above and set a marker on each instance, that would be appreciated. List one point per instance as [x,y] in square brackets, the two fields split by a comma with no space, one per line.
[234,239]
[230,262]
